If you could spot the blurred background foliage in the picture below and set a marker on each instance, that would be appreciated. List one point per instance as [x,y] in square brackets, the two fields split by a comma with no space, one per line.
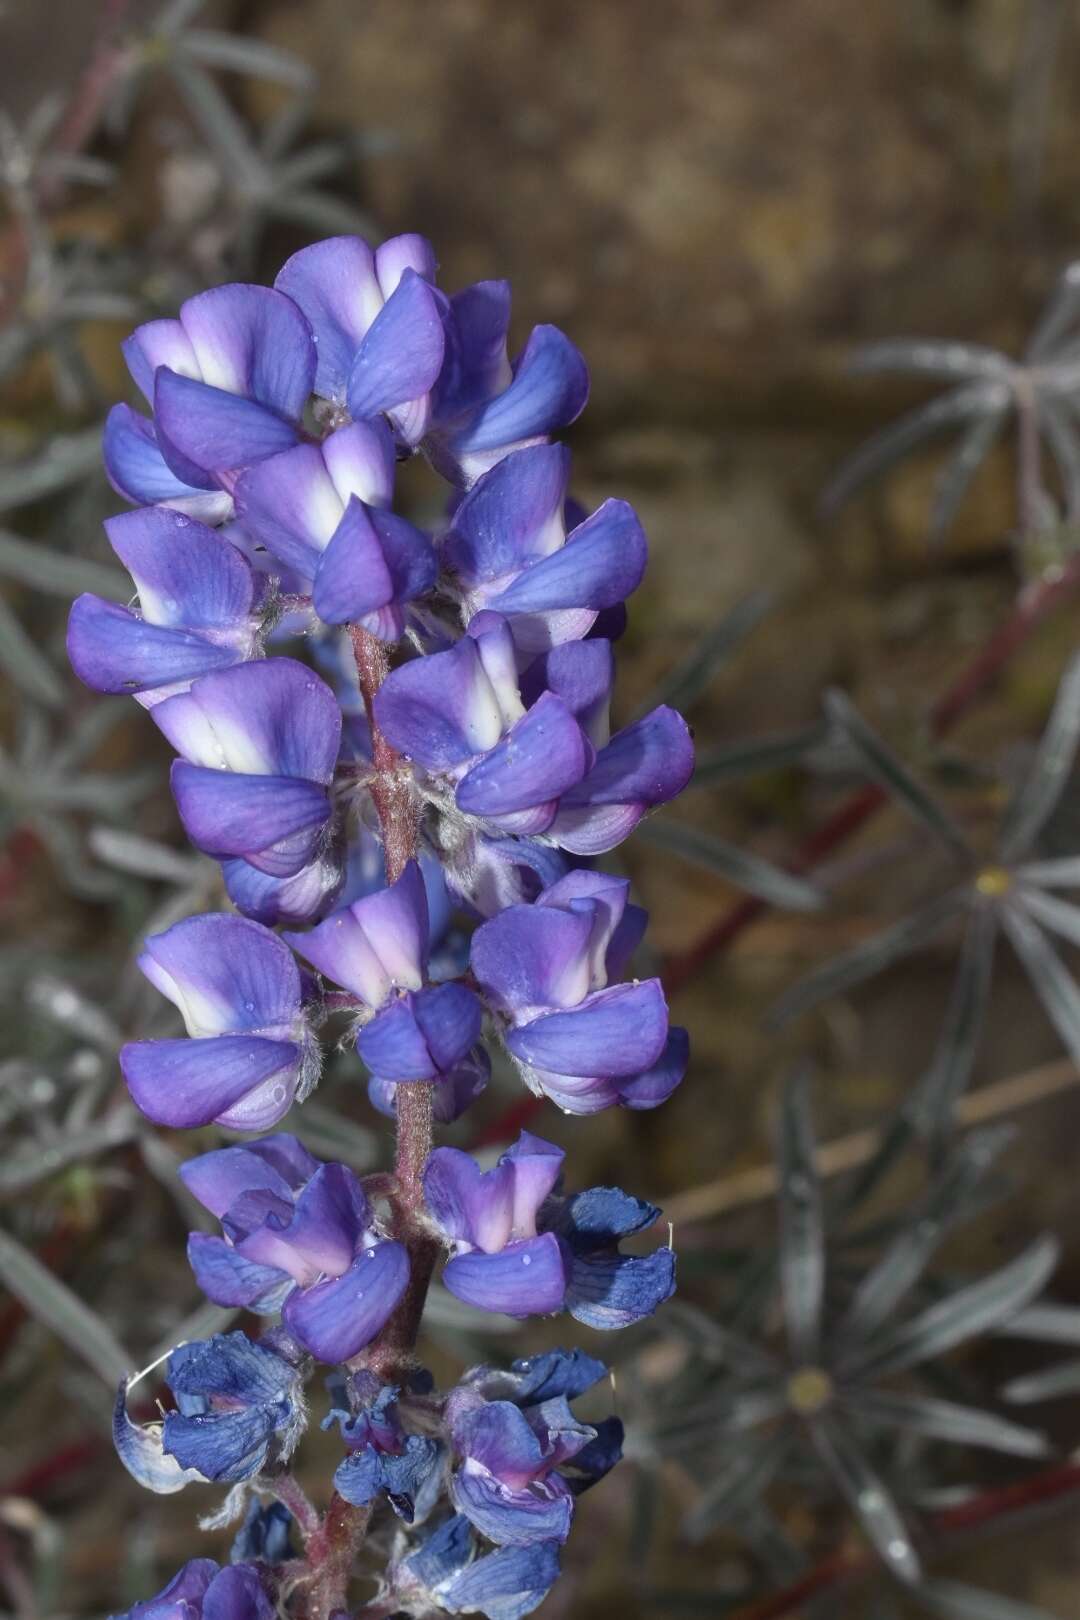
[720,201]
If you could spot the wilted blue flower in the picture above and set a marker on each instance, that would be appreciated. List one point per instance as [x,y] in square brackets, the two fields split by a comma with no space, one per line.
[520,1250]
[264,1535]
[300,1237]
[204,1591]
[580,1039]
[251,1054]
[383,1456]
[197,609]
[444,1573]
[239,1408]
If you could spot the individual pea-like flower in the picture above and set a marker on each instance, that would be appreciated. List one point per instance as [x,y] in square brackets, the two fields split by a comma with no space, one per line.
[522,1456]
[198,600]
[300,1237]
[265,1534]
[508,550]
[250,1055]
[202,1590]
[378,948]
[384,1458]
[239,1409]
[258,746]
[533,770]
[457,1090]
[377,323]
[444,1574]
[485,406]
[227,381]
[321,510]
[522,1251]
[578,1038]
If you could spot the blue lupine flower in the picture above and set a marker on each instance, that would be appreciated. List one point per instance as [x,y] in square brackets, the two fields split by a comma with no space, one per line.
[197,600]
[239,1409]
[519,1250]
[379,948]
[302,898]
[444,1573]
[258,745]
[300,1237]
[459,715]
[204,1591]
[228,382]
[547,969]
[383,1457]
[250,1055]
[508,550]
[378,326]
[485,406]
[265,1535]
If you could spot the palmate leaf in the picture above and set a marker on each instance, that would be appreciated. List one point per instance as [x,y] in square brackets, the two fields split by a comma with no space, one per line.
[43,569]
[1064,442]
[66,459]
[1060,916]
[802,1227]
[954,1600]
[955,478]
[1050,979]
[689,679]
[868,1497]
[25,1168]
[946,1420]
[930,357]
[52,1303]
[743,1474]
[1061,311]
[934,1097]
[1047,1322]
[774,751]
[225,133]
[21,659]
[694,1426]
[1061,873]
[737,866]
[1052,1383]
[242,54]
[1049,773]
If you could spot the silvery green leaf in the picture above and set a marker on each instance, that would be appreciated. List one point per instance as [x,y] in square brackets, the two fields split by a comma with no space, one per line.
[802,1232]
[1059,916]
[1059,314]
[26,1167]
[78,168]
[1047,1322]
[881,765]
[717,1341]
[1062,873]
[144,857]
[1048,1385]
[954,1600]
[868,1497]
[65,847]
[224,131]
[204,1321]
[66,459]
[737,866]
[740,1478]
[930,357]
[690,678]
[961,1315]
[772,752]
[51,1302]
[946,1420]
[918,427]
[45,570]
[176,15]
[905,1259]
[1034,803]
[949,1070]
[315,162]
[83,736]
[1061,435]
[955,478]
[242,54]
[691,1426]
[1050,978]
[882,950]
[316,210]
[27,666]
[329,1134]
[895,1140]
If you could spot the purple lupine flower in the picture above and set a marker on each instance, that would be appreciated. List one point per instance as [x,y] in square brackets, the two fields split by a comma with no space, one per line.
[485,406]
[202,1590]
[303,898]
[378,326]
[547,969]
[383,1457]
[457,1090]
[532,771]
[239,1409]
[250,1055]
[379,948]
[444,1574]
[508,550]
[300,1236]
[320,509]
[519,1250]
[197,609]
[258,743]
[227,381]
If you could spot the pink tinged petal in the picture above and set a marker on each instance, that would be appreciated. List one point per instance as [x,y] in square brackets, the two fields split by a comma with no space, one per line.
[613,1033]
[325,1231]
[361,459]
[550,387]
[204,430]
[291,505]
[523,1279]
[655,1085]
[401,354]
[138,471]
[226,1278]
[185,573]
[533,956]
[471,1205]
[226,814]
[336,1319]
[113,651]
[154,344]
[335,284]
[512,516]
[377,945]
[545,753]
[252,341]
[400,253]
[440,710]
[224,973]
[374,560]
[186,1083]
[602,562]
[537,1166]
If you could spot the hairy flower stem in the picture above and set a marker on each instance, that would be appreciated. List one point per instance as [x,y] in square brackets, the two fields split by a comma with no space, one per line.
[334,1545]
